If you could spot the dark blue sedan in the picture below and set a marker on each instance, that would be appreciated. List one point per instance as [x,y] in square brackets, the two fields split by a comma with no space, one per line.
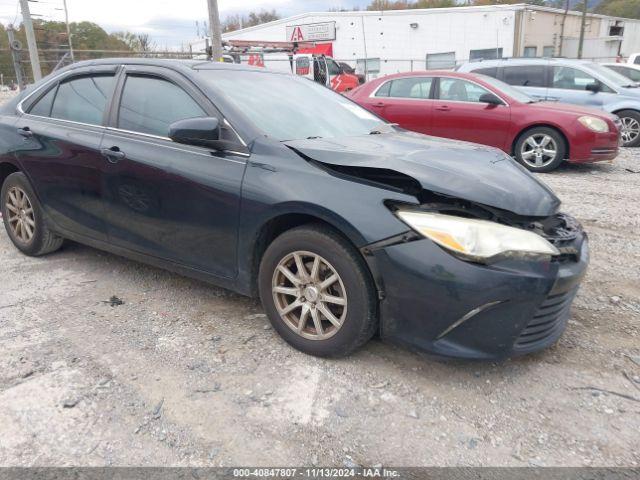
[273,186]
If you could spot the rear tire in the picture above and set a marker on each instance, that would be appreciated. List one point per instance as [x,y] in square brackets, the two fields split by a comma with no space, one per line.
[23,218]
[312,256]
[540,149]
[630,127]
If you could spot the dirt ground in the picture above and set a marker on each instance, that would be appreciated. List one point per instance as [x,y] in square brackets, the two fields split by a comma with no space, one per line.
[186,374]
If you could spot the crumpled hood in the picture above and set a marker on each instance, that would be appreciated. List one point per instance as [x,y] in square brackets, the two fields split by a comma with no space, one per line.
[462,170]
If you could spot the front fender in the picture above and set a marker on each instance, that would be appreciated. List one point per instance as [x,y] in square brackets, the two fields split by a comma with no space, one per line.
[279,182]
[622,105]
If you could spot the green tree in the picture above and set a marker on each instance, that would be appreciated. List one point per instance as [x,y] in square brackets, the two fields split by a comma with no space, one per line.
[52,41]
[138,42]
[619,8]
[409,4]
[237,21]
[510,2]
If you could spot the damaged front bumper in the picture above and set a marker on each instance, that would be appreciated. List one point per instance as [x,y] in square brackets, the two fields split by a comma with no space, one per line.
[435,302]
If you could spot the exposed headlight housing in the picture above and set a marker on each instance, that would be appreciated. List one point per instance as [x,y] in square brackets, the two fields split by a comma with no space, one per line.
[594,124]
[476,240]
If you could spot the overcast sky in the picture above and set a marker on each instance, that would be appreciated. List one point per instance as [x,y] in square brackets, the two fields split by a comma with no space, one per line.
[169,22]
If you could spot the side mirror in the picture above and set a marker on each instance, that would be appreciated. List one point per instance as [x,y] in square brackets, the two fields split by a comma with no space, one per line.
[594,87]
[490,98]
[203,131]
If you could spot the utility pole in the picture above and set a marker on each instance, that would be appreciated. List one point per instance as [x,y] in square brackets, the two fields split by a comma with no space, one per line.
[564,20]
[66,20]
[15,47]
[31,40]
[582,27]
[216,32]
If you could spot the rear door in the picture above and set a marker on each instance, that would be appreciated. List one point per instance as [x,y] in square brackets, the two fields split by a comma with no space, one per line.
[63,128]
[172,201]
[405,101]
[459,114]
[531,79]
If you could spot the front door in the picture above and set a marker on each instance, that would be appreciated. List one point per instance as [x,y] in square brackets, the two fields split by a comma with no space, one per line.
[62,132]
[569,85]
[458,113]
[172,201]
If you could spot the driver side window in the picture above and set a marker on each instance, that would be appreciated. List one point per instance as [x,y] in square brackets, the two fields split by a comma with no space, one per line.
[334,68]
[568,78]
[457,90]
[150,104]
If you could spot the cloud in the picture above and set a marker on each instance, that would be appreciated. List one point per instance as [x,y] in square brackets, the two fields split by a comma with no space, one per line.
[169,25]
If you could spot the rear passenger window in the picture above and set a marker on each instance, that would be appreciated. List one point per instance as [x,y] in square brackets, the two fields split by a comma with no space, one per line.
[413,87]
[82,99]
[490,71]
[150,105]
[42,107]
[525,75]
[383,91]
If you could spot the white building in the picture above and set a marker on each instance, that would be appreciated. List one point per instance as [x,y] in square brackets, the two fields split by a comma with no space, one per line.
[400,40]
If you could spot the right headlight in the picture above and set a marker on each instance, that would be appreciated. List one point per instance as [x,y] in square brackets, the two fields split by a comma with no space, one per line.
[594,124]
[477,240]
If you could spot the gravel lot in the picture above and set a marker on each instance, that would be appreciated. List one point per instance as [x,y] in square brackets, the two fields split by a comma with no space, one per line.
[186,374]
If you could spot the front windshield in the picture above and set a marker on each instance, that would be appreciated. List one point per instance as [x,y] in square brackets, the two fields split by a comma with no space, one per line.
[513,92]
[610,76]
[287,107]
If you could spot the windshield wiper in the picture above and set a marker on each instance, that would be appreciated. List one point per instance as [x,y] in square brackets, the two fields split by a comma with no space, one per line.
[312,137]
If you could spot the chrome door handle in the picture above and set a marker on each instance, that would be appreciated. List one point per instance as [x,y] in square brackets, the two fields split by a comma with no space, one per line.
[25,132]
[113,154]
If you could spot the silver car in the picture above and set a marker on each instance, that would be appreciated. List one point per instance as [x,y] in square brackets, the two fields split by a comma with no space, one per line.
[629,70]
[571,81]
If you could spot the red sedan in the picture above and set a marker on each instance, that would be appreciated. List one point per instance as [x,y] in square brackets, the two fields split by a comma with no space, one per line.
[481,109]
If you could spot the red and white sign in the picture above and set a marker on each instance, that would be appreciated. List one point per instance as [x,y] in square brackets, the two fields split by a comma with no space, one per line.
[312,32]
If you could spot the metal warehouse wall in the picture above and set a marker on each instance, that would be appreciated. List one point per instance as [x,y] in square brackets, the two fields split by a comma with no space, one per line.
[631,38]
[390,36]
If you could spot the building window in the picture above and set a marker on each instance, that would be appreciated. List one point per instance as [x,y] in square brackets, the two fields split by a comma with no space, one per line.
[617,29]
[485,54]
[372,65]
[548,51]
[440,61]
[530,51]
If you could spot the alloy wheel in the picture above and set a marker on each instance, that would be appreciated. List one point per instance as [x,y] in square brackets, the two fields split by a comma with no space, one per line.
[20,215]
[539,150]
[309,295]
[630,129]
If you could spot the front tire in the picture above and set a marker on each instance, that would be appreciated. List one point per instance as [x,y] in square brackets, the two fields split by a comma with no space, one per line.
[630,131]
[540,149]
[23,218]
[317,292]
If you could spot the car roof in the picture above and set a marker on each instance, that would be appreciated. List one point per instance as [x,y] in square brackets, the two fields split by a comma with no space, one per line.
[626,65]
[431,73]
[524,61]
[179,64]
